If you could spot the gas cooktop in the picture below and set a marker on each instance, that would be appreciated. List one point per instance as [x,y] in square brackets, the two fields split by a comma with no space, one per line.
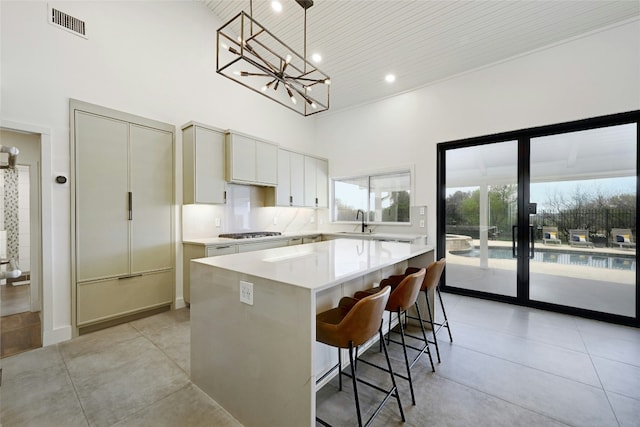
[250,235]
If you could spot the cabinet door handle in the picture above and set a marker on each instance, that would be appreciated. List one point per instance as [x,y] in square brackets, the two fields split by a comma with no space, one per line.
[130,205]
[223,247]
[131,276]
[291,200]
[316,202]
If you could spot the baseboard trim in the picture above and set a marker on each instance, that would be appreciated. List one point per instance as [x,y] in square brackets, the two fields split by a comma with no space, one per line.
[57,335]
[179,303]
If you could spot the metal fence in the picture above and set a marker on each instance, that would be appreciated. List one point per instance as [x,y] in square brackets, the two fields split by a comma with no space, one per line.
[598,223]
[595,221]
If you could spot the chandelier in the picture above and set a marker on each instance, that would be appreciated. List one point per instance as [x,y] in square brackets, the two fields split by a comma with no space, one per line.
[251,55]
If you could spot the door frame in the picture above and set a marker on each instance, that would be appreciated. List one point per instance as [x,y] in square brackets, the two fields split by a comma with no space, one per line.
[49,334]
[524,137]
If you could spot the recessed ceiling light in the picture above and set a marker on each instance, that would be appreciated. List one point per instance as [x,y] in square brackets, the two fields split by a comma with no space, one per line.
[276,6]
[390,78]
[316,57]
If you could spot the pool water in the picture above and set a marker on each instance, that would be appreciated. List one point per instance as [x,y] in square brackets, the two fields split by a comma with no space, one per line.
[595,259]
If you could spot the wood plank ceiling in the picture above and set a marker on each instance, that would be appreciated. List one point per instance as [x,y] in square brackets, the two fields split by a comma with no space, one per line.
[421,41]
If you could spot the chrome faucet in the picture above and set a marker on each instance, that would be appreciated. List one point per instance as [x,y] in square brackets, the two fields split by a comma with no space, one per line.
[360,211]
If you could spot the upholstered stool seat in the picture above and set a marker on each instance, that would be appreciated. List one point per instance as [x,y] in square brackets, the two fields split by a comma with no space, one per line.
[404,296]
[351,324]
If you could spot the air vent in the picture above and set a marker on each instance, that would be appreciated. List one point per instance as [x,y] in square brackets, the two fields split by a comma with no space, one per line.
[67,22]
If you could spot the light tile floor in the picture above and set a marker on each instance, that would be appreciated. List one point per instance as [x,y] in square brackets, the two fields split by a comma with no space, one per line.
[507,366]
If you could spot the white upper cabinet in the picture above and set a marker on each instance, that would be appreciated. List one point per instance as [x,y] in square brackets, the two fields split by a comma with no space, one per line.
[315,182]
[251,161]
[203,164]
[266,163]
[290,189]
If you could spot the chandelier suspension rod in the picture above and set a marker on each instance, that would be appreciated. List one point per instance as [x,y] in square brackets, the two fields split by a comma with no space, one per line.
[251,15]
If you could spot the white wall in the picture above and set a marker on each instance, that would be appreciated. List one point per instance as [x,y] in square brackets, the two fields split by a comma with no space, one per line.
[590,76]
[152,59]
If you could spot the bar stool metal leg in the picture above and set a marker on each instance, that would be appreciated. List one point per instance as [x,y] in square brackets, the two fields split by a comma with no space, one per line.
[393,379]
[406,357]
[433,329]
[446,319]
[425,349]
[355,383]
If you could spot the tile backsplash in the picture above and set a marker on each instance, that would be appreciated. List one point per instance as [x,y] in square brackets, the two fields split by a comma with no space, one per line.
[245,211]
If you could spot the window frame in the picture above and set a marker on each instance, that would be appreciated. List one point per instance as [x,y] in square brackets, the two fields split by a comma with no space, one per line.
[409,170]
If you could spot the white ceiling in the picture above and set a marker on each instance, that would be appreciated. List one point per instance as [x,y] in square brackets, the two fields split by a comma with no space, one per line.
[421,41]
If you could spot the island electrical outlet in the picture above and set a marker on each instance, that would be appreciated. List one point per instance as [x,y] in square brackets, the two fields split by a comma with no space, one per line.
[246,292]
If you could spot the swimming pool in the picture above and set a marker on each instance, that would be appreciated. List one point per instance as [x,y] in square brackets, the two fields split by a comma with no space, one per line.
[594,259]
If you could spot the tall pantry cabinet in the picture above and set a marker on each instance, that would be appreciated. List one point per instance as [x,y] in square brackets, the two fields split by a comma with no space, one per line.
[124,196]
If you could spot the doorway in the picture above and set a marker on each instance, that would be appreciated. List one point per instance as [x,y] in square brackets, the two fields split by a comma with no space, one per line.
[20,242]
[545,217]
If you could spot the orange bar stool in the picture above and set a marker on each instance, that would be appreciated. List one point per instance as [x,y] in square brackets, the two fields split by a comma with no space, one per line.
[431,282]
[350,325]
[404,296]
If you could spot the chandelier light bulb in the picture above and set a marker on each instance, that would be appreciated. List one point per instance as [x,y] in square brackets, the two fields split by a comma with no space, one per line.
[390,78]
[327,81]
[287,58]
[316,57]
[293,99]
[276,6]
[313,104]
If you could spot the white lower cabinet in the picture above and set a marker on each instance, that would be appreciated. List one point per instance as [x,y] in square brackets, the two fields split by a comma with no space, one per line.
[312,239]
[100,300]
[193,251]
[249,247]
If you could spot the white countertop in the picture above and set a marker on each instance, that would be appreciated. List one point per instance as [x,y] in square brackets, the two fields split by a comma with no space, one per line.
[220,240]
[378,236]
[318,265]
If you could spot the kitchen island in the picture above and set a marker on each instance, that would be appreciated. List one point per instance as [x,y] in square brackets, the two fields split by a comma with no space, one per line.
[260,360]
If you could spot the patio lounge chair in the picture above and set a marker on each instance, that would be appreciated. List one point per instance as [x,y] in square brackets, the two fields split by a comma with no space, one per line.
[550,236]
[579,238]
[623,238]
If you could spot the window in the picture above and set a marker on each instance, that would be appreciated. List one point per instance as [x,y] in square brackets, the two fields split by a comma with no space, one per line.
[385,198]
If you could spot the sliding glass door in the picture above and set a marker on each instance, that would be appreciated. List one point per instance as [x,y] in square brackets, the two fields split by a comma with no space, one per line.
[585,185]
[481,210]
[545,217]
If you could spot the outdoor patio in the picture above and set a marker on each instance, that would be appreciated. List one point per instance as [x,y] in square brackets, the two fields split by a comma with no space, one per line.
[606,290]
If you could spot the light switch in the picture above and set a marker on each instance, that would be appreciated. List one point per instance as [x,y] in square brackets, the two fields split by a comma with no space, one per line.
[422,223]
[217,222]
[421,210]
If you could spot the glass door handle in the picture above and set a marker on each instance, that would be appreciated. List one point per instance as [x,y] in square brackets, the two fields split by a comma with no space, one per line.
[531,242]
[514,234]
